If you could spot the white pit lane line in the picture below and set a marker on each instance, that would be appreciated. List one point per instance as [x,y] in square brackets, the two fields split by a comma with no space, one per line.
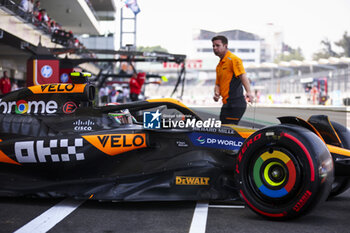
[51,217]
[199,219]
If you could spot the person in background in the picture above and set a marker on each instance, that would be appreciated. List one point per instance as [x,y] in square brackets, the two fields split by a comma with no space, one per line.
[40,15]
[314,94]
[30,6]
[53,26]
[113,95]
[24,5]
[14,86]
[230,77]
[36,8]
[103,94]
[5,84]
[126,93]
[136,83]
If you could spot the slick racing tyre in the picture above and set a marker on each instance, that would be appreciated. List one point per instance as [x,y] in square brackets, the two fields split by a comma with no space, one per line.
[284,171]
[341,183]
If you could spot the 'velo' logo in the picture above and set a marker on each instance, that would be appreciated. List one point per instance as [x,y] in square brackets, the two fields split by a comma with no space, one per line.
[57,88]
[113,144]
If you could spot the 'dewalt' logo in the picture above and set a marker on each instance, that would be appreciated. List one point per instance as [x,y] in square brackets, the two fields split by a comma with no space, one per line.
[188,180]
[113,144]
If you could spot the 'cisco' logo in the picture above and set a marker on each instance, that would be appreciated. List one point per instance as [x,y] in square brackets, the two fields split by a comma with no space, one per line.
[46,71]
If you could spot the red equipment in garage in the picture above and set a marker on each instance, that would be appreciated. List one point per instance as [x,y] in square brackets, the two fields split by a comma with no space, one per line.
[42,71]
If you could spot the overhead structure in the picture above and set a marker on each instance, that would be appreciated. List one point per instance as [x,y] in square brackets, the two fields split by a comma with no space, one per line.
[124,32]
[131,57]
[128,25]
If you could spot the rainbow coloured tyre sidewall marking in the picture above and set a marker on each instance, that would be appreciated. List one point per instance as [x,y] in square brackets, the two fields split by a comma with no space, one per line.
[274,174]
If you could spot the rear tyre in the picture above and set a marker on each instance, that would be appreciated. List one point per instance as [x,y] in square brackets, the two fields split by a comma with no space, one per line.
[284,171]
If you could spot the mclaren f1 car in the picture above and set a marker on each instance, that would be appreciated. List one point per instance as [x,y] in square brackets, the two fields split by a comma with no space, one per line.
[56,143]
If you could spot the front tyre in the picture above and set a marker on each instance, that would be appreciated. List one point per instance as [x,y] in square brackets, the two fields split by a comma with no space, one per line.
[284,171]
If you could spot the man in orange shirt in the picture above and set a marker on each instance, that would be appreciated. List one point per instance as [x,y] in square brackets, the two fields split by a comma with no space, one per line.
[230,76]
[5,84]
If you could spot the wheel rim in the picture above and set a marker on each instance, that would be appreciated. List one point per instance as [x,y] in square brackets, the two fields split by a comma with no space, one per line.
[275,174]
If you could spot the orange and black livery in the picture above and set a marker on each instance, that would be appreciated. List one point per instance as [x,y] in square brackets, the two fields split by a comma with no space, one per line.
[55,142]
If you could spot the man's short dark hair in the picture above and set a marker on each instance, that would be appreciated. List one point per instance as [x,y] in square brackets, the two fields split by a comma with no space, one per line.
[222,38]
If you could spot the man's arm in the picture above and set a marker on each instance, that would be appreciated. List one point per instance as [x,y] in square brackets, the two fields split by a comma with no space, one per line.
[246,84]
[134,83]
[216,93]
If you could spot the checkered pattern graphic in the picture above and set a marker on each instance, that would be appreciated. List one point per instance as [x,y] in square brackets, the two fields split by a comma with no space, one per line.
[72,149]
[43,152]
[54,150]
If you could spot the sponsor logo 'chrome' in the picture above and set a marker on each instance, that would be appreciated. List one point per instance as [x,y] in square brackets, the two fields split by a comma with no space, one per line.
[22,106]
[187,180]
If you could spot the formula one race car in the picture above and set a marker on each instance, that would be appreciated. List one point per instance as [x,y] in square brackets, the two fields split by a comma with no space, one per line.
[54,143]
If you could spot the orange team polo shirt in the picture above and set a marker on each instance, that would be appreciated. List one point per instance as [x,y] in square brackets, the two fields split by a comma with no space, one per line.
[227,72]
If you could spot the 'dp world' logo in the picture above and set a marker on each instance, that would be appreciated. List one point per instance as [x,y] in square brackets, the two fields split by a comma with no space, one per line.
[113,144]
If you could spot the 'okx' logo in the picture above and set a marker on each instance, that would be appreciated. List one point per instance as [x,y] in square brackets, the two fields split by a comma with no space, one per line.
[151,120]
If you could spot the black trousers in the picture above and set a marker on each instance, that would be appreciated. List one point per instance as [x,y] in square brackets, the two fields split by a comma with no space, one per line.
[232,111]
[134,97]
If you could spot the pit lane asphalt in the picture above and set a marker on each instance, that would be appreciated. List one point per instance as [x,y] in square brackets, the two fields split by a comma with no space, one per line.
[163,217]
[172,217]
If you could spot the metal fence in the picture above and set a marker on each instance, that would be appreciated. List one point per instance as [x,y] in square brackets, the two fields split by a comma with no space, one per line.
[13,8]
[337,80]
